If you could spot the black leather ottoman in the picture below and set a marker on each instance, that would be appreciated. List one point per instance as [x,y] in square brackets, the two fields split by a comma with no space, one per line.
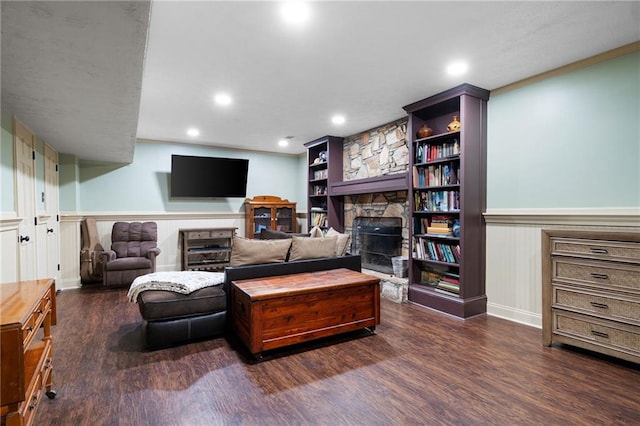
[171,318]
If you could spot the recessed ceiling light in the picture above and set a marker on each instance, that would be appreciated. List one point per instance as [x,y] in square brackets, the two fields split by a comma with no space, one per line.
[283,142]
[338,119]
[457,68]
[193,132]
[222,99]
[295,12]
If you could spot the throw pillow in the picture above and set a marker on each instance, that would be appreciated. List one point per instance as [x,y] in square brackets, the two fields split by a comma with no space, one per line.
[312,248]
[342,245]
[252,252]
[316,232]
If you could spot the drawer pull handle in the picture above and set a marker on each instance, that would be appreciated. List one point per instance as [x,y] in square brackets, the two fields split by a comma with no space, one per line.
[40,311]
[600,276]
[599,305]
[32,406]
[600,334]
[29,329]
[597,250]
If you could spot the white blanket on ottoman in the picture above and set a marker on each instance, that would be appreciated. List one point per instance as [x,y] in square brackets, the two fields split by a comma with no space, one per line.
[184,282]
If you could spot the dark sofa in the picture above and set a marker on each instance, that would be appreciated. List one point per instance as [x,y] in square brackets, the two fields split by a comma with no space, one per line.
[172,318]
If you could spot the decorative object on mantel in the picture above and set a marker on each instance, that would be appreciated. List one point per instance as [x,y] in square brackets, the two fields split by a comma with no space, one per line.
[454,126]
[424,131]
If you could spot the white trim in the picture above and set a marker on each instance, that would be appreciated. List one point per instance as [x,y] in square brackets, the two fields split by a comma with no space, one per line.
[10,223]
[513,314]
[610,216]
[77,217]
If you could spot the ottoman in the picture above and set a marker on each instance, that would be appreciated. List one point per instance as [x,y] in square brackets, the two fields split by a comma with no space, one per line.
[170,317]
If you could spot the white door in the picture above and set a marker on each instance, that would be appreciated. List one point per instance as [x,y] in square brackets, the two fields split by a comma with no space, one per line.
[24,149]
[51,205]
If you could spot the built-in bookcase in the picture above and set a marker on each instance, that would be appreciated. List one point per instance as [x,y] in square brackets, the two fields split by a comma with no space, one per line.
[324,159]
[448,198]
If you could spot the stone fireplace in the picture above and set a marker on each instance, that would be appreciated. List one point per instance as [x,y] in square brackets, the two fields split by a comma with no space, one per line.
[374,189]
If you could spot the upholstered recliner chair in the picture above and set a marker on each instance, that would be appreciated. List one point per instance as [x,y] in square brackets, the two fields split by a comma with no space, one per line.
[133,253]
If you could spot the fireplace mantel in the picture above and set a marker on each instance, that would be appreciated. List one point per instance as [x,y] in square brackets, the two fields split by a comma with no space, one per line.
[394,182]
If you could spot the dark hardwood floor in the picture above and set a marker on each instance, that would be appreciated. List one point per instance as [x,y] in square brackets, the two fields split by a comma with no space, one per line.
[420,368]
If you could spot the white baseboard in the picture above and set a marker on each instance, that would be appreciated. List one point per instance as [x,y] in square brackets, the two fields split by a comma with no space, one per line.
[513,314]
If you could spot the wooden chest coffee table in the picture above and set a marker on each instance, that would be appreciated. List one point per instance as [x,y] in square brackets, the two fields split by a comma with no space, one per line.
[272,312]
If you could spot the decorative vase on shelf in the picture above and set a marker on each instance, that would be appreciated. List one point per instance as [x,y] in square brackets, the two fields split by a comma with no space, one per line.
[454,126]
[456,228]
[424,132]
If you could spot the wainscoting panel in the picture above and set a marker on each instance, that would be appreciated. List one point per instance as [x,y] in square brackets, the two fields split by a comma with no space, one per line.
[9,262]
[168,226]
[514,259]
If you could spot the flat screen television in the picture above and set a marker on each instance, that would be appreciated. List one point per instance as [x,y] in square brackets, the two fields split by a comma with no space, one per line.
[193,176]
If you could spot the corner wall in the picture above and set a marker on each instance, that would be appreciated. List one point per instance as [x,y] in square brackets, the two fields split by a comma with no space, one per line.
[563,152]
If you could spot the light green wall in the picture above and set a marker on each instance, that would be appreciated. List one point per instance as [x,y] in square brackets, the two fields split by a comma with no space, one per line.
[7,203]
[143,185]
[568,141]
[68,179]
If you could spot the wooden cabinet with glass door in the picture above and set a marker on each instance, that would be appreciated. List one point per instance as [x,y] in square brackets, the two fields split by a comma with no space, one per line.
[268,212]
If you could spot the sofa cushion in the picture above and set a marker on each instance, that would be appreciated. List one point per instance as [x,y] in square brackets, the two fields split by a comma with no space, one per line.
[161,304]
[312,248]
[127,263]
[342,245]
[252,252]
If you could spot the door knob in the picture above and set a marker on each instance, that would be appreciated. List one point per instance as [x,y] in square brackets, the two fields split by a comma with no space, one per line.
[49,230]
[24,238]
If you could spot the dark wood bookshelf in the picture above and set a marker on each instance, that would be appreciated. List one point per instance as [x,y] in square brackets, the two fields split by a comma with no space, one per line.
[469,104]
[324,203]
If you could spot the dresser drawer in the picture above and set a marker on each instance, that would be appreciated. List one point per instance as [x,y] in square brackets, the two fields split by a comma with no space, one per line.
[601,304]
[605,275]
[198,235]
[29,329]
[609,334]
[597,249]
[222,234]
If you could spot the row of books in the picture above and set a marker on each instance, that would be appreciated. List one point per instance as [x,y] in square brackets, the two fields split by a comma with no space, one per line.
[437,201]
[436,175]
[443,282]
[428,152]
[437,225]
[426,249]
[449,285]
[320,174]
[318,219]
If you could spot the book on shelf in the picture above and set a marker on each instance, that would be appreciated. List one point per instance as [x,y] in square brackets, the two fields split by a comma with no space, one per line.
[426,249]
[318,219]
[437,201]
[320,174]
[447,292]
[439,231]
[426,152]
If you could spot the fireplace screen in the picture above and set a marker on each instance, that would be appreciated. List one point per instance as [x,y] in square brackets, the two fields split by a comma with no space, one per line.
[377,240]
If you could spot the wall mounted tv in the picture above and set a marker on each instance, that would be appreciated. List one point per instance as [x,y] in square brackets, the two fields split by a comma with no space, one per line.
[193,176]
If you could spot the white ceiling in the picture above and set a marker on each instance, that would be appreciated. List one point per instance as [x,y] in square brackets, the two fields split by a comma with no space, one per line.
[73,71]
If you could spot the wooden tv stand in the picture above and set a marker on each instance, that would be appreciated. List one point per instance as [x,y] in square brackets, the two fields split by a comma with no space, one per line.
[26,352]
[272,312]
